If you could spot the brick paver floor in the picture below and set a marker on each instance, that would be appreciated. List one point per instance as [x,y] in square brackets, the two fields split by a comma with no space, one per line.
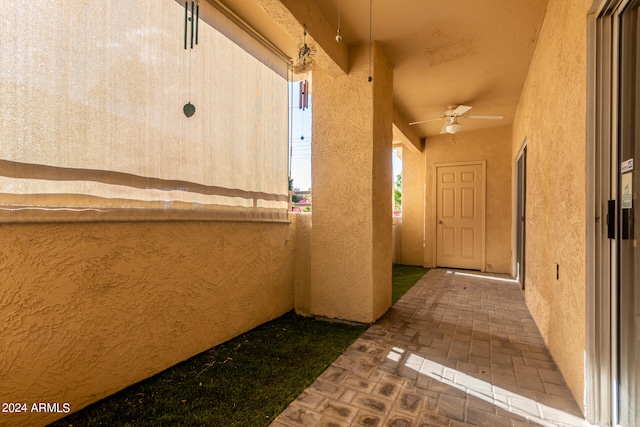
[459,349]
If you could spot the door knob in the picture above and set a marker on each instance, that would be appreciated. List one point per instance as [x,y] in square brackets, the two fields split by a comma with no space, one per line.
[439,222]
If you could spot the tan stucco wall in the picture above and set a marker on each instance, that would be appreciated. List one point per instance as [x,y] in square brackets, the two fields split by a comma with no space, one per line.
[551,116]
[413,205]
[89,308]
[352,190]
[396,246]
[382,176]
[302,264]
[493,146]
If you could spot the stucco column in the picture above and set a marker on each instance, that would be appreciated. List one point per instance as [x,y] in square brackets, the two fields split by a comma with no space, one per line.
[352,190]
[413,206]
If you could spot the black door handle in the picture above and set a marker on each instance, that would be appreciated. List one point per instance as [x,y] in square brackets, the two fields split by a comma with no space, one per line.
[611,219]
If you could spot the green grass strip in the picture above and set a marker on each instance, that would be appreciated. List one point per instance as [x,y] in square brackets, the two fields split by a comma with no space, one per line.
[246,381]
[403,278]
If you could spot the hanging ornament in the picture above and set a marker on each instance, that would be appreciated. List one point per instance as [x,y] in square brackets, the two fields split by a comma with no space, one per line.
[189,109]
[338,36]
[370,37]
[306,54]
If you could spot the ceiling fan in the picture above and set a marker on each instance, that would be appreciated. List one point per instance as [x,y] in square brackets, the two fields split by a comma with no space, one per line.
[452,115]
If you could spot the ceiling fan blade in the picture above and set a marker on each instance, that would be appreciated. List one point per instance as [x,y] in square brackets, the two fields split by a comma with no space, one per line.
[461,109]
[428,120]
[483,116]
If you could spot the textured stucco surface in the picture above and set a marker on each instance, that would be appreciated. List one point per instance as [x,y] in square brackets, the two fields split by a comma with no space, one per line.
[494,146]
[551,117]
[396,246]
[352,184]
[295,15]
[301,227]
[382,192]
[89,308]
[413,205]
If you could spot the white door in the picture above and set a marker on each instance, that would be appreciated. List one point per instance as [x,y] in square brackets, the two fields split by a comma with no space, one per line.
[460,216]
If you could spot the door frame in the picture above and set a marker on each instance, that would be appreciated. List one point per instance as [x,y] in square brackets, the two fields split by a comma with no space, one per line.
[519,193]
[483,207]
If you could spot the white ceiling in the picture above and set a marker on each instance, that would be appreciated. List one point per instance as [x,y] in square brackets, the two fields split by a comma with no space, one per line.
[444,53]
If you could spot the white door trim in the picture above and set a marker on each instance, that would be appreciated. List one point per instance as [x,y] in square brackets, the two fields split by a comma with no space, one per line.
[483,207]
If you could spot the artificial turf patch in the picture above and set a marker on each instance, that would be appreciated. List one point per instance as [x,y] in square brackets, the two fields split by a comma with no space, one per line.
[246,381]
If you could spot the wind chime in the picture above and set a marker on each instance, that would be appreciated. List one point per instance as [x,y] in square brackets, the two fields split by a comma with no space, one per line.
[303,103]
[190,20]
[305,63]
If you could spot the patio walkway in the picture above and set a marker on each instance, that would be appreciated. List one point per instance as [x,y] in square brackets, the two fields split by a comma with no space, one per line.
[459,349]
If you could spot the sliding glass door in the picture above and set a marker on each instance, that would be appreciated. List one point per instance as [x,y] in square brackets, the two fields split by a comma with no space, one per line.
[628,186]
